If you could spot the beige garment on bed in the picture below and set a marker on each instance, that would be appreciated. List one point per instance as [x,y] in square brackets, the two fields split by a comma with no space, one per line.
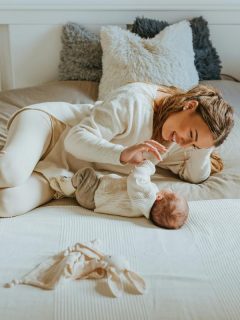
[83,261]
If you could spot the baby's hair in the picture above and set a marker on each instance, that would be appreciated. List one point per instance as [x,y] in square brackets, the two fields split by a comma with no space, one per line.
[170,212]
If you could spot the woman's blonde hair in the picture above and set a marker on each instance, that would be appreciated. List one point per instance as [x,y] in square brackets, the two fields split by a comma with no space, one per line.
[216,112]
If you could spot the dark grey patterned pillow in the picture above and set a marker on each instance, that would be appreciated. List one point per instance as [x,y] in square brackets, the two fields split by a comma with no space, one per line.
[207,61]
[81,54]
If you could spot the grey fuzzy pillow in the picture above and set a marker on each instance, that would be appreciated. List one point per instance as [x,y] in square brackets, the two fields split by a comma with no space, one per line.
[81,54]
[207,61]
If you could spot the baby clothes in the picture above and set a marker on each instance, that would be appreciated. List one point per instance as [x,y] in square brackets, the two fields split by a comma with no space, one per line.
[130,196]
[86,182]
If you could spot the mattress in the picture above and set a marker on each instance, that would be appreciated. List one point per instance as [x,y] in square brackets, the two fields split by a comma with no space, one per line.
[191,273]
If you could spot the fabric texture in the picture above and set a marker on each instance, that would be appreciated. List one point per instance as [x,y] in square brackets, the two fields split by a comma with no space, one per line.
[131,196]
[166,59]
[81,54]
[24,129]
[68,91]
[207,60]
[80,57]
[86,182]
[202,257]
[82,261]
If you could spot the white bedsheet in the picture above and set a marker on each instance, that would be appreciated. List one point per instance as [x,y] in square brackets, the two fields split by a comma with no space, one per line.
[191,273]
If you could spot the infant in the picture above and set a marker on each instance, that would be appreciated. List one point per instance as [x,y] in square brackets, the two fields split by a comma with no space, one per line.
[131,196]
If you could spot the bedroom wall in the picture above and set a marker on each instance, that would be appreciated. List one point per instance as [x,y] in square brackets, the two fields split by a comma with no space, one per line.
[117,3]
[30,30]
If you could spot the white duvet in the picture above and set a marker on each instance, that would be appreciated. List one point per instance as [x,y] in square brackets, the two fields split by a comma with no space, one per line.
[191,273]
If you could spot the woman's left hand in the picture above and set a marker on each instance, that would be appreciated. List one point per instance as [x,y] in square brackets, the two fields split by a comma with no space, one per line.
[134,154]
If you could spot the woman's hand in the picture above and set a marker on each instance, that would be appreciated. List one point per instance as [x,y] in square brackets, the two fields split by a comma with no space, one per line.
[134,154]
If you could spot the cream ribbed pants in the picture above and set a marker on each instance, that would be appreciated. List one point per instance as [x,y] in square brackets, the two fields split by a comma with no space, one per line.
[21,189]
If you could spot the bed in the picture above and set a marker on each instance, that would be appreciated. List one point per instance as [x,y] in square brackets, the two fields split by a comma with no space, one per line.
[191,273]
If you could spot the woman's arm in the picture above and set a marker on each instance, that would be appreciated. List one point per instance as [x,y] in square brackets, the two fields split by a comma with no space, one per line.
[197,167]
[192,165]
[90,139]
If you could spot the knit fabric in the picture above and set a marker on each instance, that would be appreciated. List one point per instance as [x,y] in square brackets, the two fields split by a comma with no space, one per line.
[86,182]
[131,196]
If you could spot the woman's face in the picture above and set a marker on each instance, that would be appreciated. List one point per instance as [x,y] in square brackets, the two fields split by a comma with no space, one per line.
[187,128]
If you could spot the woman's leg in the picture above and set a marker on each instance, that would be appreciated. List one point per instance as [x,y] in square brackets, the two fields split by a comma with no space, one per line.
[28,138]
[21,199]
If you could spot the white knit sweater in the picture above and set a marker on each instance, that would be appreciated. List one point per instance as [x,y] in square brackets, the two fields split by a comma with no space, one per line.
[130,196]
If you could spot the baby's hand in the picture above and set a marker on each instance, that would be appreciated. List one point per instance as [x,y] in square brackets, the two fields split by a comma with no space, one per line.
[134,154]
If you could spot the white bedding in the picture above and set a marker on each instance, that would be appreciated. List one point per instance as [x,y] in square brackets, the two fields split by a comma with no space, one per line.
[191,273]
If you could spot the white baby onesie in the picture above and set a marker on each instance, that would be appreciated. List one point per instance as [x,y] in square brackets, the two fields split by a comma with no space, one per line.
[130,196]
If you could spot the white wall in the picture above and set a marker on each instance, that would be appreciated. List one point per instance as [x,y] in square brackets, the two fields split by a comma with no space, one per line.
[118,2]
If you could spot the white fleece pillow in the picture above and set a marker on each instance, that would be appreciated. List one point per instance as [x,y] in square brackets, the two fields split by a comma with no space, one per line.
[167,59]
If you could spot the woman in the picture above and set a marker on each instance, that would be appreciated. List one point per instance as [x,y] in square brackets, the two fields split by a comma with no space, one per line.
[52,139]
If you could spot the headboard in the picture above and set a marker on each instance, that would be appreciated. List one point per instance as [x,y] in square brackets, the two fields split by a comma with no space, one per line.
[30,36]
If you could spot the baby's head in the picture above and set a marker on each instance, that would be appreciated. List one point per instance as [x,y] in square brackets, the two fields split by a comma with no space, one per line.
[169,210]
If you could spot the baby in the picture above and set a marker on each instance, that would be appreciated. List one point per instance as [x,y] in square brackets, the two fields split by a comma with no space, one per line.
[131,196]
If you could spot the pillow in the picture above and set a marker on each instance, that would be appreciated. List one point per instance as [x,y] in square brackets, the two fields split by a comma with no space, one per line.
[80,57]
[166,59]
[69,91]
[207,61]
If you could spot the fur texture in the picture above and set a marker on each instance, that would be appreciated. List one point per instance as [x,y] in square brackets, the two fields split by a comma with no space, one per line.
[81,54]
[167,59]
[80,57]
[207,60]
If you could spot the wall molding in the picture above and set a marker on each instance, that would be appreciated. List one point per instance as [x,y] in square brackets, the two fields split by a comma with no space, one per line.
[32,15]
[122,8]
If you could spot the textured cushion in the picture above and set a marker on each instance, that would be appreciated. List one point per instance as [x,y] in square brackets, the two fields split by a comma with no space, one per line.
[69,91]
[80,57]
[167,59]
[207,61]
